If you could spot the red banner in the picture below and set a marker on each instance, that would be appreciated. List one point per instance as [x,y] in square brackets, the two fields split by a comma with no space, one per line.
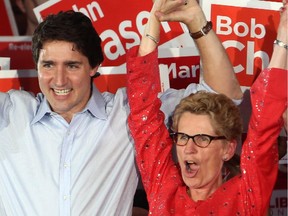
[28,80]
[8,25]
[18,48]
[247,30]
[119,23]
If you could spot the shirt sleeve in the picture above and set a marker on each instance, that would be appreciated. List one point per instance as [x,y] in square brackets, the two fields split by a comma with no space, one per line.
[5,105]
[146,122]
[259,158]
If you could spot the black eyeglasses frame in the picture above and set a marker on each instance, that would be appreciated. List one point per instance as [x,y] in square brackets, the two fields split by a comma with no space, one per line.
[211,138]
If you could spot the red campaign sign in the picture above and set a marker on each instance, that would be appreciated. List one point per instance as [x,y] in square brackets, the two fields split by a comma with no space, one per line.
[279,201]
[27,80]
[182,70]
[110,82]
[25,83]
[180,76]
[19,79]
[248,35]
[124,32]
[8,25]
[119,27]
[104,83]
[18,48]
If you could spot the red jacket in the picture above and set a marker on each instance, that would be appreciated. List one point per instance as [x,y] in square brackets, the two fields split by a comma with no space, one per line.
[246,194]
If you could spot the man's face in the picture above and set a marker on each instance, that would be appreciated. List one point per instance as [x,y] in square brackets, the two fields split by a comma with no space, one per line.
[64,77]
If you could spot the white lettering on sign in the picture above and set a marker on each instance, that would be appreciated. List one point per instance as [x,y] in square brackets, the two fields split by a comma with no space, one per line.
[21,47]
[241,29]
[129,35]
[278,202]
[183,71]
[251,55]
[113,46]
[114,42]
[89,11]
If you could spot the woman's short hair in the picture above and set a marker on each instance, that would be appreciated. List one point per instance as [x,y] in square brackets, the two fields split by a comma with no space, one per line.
[224,114]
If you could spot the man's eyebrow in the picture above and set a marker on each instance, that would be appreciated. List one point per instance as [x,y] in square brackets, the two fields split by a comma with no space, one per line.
[46,61]
[73,62]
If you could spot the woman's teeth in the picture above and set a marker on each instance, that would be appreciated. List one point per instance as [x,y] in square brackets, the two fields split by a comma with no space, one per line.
[188,163]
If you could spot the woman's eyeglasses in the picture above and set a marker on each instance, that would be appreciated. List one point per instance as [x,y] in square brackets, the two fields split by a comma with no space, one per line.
[201,140]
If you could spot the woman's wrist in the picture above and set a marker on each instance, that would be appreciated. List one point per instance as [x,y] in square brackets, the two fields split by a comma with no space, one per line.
[195,20]
[280,43]
[150,37]
[278,58]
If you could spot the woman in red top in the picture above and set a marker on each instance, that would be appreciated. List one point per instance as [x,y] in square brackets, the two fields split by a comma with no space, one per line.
[205,129]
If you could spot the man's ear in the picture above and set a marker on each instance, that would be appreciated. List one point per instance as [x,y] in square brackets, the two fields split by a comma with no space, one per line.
[230,150]
[93,71]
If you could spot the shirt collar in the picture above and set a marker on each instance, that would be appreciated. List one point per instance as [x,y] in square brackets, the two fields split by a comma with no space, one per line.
[96,106]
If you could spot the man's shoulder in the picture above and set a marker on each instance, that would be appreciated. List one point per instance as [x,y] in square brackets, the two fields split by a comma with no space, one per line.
[22,99]
[21,104]
[120,94]
[20,95]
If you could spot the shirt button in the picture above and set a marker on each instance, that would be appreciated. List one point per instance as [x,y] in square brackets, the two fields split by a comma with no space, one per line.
[66,165]
[65,197]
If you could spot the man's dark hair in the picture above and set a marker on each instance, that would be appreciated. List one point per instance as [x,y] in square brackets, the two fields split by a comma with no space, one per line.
[72,27]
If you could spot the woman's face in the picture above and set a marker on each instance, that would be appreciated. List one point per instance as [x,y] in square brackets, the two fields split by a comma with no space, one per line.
[200,167]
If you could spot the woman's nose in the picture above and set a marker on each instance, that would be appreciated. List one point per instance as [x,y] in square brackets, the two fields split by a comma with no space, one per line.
[190,147]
